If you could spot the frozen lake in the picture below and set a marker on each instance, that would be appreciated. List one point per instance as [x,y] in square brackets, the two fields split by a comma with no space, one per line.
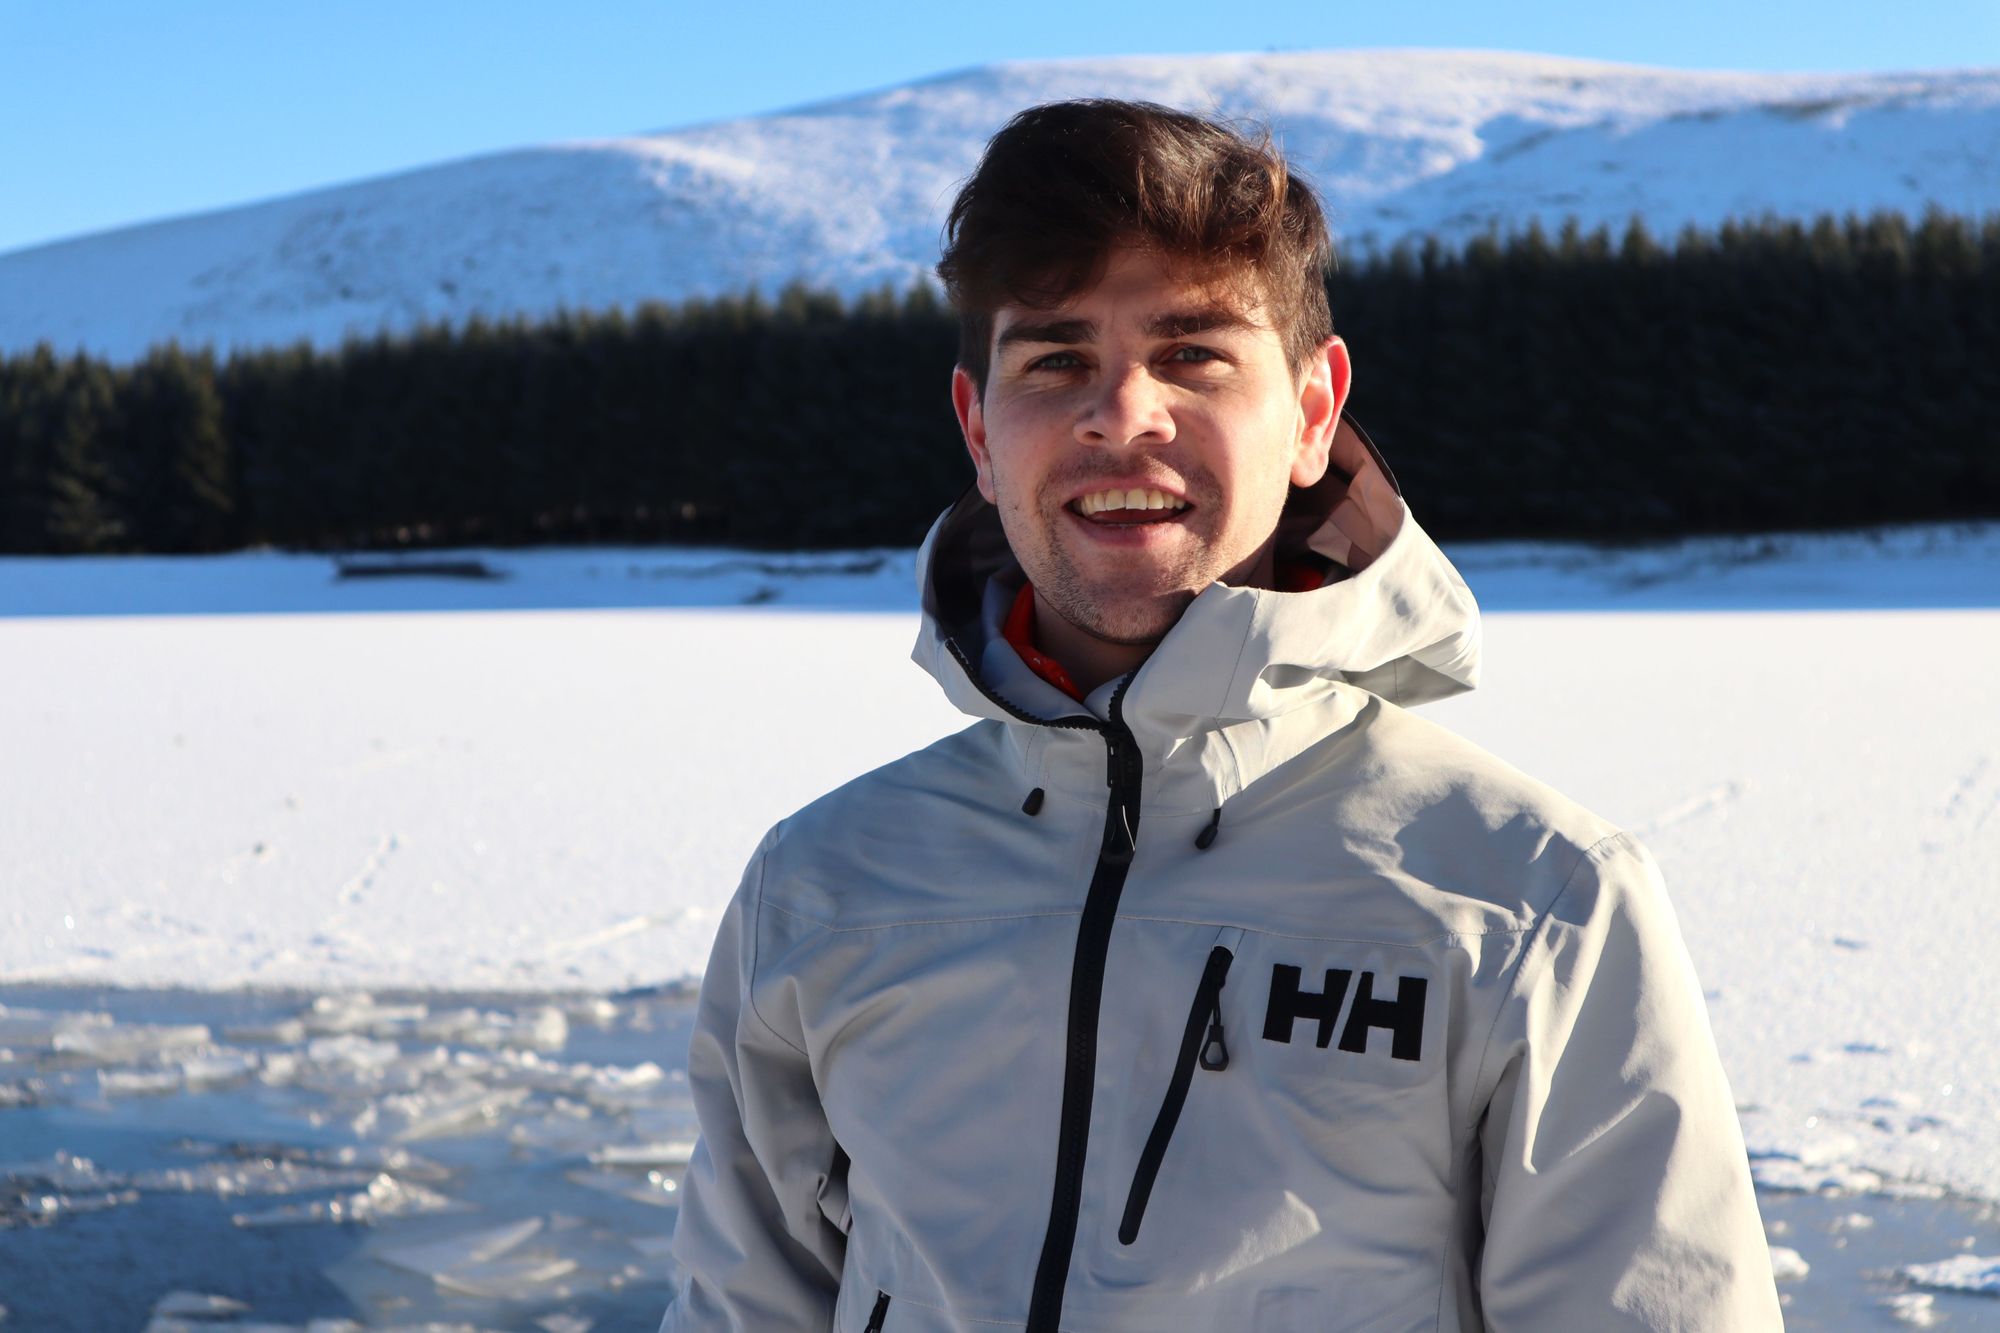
[505,795]
[508,1162]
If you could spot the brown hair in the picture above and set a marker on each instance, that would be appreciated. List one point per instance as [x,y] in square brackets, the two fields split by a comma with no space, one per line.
[1062,184]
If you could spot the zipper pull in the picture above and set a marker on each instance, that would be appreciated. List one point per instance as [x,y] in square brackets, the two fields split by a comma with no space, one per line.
[1220,1060]
[1124,767]
[880,1312]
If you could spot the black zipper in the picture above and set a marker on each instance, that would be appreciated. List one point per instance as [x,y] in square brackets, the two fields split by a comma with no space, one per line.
[878,1314]
[1123,768]
[1212,1053]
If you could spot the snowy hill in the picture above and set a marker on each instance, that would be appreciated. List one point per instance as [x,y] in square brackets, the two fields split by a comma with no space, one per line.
[849,194]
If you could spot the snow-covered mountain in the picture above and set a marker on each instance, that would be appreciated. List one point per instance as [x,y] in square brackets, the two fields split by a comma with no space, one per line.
[849,194]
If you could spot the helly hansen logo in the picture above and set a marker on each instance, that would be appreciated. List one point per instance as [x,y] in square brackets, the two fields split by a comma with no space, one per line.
[1402,1017]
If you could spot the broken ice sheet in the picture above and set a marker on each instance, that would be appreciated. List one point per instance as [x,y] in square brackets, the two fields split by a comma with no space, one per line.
[357,1011]
[384,1197]
[543,1028]
[198,1305]
[284,1032]
[366,1157]
[127,1043]
[38,1027]
[1915,1308]
[138,1082]
[37,1193]
[353,1051]
[655,1187]
[670,1152]
[482,1263]
[454,1107]
[1965,1272]
[1787,1265]
[262,1176]
[1795,1177]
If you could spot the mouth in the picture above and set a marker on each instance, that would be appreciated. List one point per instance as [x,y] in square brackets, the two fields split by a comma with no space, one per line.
[1121,507]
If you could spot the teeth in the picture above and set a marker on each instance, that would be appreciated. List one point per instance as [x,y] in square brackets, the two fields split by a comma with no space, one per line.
[1099,501]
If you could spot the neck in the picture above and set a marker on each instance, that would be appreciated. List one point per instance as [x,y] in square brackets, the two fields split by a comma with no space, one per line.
[1091,660]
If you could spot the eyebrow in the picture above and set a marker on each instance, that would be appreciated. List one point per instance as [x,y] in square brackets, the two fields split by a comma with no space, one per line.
[1063,332]
[1187,323]
[1171,324]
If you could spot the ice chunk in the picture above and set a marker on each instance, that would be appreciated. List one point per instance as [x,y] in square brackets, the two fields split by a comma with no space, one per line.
[1787,1265]
[385,1196]
[36,1193]
[672,1152]
[365,1158]
[564,1323]
[1913,1308]
[1965,1272]
[568,1129]
[654,1187]
[332,1015]
[513,1277]
[462,1250]
[284,1032]
[197,1305]
[125,1043]
[278,1068]
[38,1027]
[261,1175]
[218,1068]
[595,1010]
[1791,1175]
[619,1088]
[543,1028]
[457,1107]
[354,1052]
[138,1082]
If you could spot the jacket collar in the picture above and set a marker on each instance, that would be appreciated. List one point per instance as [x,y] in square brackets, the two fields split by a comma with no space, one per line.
[1248,676]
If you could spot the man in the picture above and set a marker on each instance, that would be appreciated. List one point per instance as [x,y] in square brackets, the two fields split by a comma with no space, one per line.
[1197,986]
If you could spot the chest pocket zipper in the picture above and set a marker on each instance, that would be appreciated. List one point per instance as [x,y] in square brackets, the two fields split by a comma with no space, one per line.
[1201,1041]
[878,1314]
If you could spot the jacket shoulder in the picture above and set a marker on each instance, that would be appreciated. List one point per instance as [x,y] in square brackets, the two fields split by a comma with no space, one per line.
[818,857]
[1461,826]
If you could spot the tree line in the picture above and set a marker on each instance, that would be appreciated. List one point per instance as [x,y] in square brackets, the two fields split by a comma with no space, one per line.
[1762,375]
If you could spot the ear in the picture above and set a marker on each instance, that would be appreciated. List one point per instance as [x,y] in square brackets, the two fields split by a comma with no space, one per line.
[1322,393]
[972,424]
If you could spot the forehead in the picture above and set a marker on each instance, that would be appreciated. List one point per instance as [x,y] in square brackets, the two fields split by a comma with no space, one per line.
[1143,291]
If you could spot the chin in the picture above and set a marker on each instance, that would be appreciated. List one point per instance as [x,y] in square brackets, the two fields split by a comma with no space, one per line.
[1127,617]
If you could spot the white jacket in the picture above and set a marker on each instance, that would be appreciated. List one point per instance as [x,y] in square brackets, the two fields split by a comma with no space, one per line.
[1399,1039]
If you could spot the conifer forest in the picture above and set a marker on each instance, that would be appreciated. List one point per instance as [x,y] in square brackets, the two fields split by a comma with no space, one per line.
[1766,375]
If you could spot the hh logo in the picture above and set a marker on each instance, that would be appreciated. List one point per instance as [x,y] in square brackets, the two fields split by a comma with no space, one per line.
[1402,1017]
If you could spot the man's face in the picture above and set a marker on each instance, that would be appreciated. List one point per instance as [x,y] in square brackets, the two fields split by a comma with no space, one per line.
[1145,383]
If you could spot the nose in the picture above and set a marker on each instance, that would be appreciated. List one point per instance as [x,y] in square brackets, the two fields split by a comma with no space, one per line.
[1128,406]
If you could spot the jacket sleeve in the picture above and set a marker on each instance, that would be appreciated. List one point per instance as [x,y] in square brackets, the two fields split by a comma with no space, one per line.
[1616,1190]
[757,1252]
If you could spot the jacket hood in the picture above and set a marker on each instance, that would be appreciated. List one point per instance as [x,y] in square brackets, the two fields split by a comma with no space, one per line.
[1393,617]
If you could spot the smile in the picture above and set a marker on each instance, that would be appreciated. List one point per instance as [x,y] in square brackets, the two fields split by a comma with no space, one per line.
[1118,505]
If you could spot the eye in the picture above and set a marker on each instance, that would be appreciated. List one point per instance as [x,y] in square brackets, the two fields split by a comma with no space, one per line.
[1056,361]
[1193,354]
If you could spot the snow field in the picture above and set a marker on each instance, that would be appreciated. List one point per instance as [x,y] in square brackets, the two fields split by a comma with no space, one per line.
[561,800]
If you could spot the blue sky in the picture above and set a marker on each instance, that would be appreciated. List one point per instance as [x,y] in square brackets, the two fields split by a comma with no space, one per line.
[120,111]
